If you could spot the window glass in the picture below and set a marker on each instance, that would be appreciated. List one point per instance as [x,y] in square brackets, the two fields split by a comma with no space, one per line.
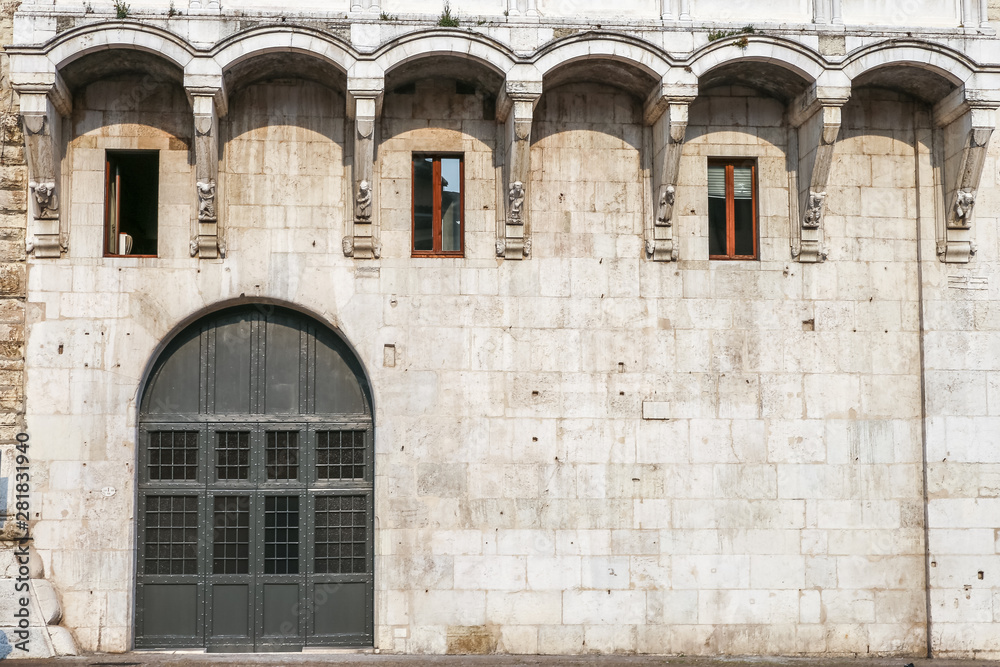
[451,204]
[423,203]
[437,205]
[743,210]
[716,210]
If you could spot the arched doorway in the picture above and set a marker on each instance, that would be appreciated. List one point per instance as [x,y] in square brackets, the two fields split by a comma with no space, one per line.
[255,476]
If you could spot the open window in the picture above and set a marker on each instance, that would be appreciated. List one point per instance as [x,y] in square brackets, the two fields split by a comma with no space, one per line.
[732,209]
[130,203]
[438,209]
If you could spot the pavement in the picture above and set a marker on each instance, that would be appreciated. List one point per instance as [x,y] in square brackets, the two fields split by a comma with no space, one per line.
[350,659]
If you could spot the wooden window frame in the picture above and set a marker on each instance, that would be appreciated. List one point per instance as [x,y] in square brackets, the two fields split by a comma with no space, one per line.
[730,164]
[109,156]
[436,251]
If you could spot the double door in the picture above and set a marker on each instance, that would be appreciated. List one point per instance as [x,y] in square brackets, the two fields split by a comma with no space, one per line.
[255,536]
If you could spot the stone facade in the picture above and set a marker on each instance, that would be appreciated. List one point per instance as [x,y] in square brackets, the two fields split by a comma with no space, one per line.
[589,435]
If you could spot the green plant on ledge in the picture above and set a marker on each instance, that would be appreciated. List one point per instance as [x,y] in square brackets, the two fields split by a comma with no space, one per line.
[121,9]
[385,16]
[742,33]
[446,20]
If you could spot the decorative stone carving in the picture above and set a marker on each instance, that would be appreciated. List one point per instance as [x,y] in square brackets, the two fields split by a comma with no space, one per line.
[814,210]
[665,206]
[669,118]
[209,105]
[961,181]
[42,109]
[817,123]
[363,106]
[516,198]
[515,109]
[964,201]
[501,247]
[44,196]
[363,205]
[206,201]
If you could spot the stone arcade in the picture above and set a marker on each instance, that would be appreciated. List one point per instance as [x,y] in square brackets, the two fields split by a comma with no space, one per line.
[578,327]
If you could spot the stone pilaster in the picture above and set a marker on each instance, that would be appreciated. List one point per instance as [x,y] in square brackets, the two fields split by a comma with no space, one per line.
[43,104]
[364,106]
[815,117]
[515,109]
[206,104]
[967,125]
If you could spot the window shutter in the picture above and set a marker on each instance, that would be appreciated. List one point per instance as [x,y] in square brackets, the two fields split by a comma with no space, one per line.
[717,181]
[742,182]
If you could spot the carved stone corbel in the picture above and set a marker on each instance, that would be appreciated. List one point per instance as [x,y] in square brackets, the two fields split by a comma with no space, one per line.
[42,108]
[966,140]
[515,109]
[364,105]
[206,105]
[817,123]
[668,118]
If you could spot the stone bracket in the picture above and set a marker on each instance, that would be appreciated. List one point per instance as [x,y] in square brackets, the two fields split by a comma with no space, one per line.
[669,128]
[965,154]
[364,107]
[515,109]
[206,243]
[817,125]
[42,108]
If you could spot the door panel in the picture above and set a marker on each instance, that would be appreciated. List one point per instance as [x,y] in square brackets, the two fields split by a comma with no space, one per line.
[171,611]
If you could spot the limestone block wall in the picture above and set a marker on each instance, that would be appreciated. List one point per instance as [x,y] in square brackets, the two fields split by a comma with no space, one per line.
[434,118]
[91,316]
[282,160]
[961,353]
[773,502]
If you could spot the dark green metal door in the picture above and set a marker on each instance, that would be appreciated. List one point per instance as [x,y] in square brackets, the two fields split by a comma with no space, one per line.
[255,512]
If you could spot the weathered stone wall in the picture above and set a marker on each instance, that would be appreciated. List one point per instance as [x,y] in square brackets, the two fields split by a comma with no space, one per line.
[961,357]
[772,503]
[87,330]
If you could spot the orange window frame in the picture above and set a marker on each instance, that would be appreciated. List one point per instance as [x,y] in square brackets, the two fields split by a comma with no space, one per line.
[730,165]
[436,251]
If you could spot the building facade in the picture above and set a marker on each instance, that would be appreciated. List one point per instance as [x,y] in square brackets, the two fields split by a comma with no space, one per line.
[523,326]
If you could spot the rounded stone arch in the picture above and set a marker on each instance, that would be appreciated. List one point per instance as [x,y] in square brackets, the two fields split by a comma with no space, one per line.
[941,60]
[85,40]
[257,42]
[637,54]
[780,68]
[263,305]
[923,71]
[783,53]
[481,50]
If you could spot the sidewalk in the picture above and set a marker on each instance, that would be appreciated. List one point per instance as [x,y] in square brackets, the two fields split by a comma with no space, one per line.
[157,659]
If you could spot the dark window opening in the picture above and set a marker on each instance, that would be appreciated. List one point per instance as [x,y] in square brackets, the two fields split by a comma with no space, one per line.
[130,202]
[463,88]
[732,209]
[437,205]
